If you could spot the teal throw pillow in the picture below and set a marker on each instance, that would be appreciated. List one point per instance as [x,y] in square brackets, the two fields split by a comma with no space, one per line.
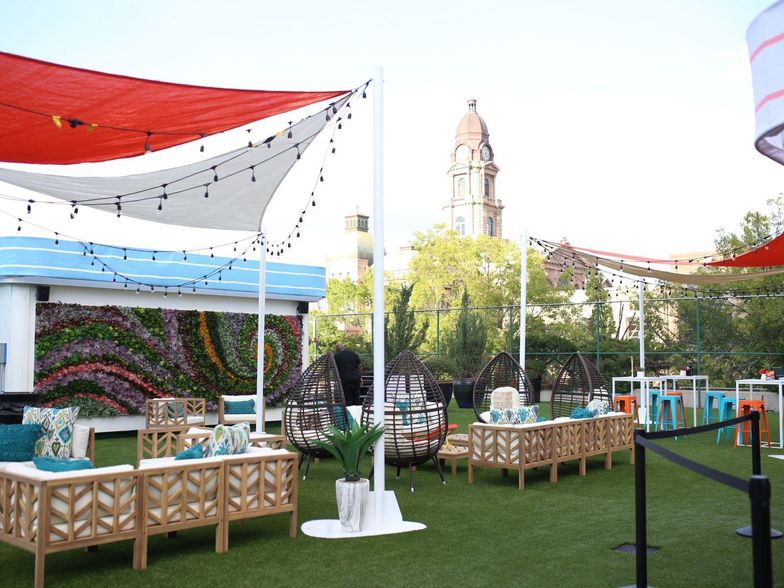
[17,442]
[403,406]
[342,423]
[239,407]
[176,409]
[581,413]
[54,464]
[195,451]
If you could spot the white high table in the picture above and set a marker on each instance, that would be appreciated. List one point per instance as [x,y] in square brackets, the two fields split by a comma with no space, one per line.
[695,388]
[751,382]
[644,391]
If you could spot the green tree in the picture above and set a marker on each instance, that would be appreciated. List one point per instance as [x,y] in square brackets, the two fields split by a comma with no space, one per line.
[401,331]
[445,264]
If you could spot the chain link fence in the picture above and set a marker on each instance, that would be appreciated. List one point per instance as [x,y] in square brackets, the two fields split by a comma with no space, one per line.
[727,338]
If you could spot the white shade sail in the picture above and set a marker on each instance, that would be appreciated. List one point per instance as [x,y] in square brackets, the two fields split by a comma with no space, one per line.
[235,201]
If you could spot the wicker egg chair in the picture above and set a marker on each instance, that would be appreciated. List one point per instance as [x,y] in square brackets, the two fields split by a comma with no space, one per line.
[415,415]
[502,370]
[314,404]
[577,384]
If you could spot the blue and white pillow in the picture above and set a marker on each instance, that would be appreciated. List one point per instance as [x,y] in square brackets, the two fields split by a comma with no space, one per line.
[598,407]
[527,414]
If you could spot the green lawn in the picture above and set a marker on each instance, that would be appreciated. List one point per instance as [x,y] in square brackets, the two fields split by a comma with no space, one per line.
[487,534]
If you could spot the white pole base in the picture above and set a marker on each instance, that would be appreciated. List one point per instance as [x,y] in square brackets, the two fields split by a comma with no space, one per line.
[392,523]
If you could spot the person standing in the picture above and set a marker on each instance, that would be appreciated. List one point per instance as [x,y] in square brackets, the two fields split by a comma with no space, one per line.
[350,372]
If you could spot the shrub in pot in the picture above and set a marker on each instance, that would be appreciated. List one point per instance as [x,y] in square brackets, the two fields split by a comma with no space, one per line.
[467,350]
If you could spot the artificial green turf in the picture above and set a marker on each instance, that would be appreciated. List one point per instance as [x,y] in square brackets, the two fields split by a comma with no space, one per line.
[486,534]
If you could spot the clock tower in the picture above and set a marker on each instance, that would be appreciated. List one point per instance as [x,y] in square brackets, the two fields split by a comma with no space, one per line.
[473,208]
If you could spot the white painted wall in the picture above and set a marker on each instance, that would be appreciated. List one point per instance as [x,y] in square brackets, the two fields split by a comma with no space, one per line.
[122,297]
[17,329]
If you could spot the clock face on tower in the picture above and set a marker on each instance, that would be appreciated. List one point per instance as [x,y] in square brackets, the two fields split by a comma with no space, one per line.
[485,153]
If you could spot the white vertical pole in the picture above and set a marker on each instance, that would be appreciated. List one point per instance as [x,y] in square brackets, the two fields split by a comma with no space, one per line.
[523,293]
[378,291]
[260,355]
[641,286]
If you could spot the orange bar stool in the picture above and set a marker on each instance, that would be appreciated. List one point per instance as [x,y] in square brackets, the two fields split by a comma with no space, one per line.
[626,403]
[679,394]
[744,408]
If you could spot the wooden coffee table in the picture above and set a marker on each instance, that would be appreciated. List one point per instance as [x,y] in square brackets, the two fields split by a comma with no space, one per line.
[452,454]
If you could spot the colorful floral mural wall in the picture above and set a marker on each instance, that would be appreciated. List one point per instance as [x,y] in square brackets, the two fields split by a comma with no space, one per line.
[108,360]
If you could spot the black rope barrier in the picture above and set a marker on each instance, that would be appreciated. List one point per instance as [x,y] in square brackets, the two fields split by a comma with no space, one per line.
[757,488]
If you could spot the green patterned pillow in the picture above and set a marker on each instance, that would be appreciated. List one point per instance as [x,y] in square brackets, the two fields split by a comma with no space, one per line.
[228,440]
[57,425]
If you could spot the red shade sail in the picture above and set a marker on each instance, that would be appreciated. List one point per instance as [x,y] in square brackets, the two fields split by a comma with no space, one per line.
[56,114]
[767,255]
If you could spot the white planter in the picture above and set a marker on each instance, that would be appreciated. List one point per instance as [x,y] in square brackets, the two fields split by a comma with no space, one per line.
[352,500]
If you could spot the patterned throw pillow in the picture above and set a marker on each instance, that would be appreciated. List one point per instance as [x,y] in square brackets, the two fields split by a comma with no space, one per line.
[527,414]
[228,440]
[57,425]
[598,407]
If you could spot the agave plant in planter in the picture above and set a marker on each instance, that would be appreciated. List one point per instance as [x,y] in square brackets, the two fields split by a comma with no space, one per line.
[352,491]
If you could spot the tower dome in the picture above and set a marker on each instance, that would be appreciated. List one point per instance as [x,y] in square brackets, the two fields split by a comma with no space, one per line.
[472,127]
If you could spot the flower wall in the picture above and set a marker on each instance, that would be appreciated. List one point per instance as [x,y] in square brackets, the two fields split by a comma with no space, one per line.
[109,360]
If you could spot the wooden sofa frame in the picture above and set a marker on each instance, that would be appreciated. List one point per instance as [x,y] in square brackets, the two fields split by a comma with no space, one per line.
[520,447]
[79,511]
[154,443]
[174,412]
[181,495]
[89,507]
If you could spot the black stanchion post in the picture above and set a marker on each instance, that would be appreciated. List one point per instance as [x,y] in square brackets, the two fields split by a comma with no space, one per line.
[640,515]
[759,493]
[756,442]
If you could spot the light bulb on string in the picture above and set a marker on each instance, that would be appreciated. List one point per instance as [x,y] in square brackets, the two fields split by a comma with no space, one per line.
[290,135]
[29,206]
[206,190]
[215,172]
[253,173]
[147,146]
[57,238]
[153,255]
[125,255]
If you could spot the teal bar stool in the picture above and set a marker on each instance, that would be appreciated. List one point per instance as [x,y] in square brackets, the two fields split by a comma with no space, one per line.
[670,410]
[712,400]
[726,412]
[654,408]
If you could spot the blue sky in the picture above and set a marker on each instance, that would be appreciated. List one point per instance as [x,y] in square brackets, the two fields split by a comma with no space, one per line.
[622,125]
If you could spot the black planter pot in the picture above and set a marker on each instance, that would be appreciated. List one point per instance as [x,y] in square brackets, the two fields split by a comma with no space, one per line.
[536,384]
[464,392]
[446,390]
